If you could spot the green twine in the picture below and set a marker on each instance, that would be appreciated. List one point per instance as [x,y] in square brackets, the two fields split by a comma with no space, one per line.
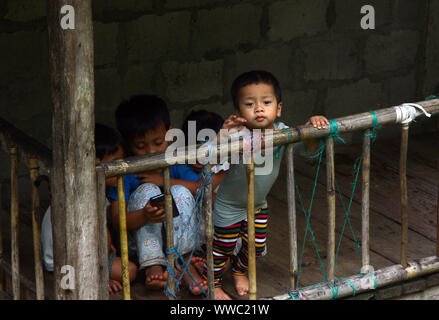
[334,131]
[375,126]
[433,96]
[278,149]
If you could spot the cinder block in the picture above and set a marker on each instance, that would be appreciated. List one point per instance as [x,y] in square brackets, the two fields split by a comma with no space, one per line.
[348,14]
[432,50]
[26,10]
[402,89]
[296,18]
[353,98]
[277,60]
[332,59]
[193,81]
[298,106]
[152,37]
[107,94]
[126,5]
[105,43]
[139,79]
[391,52]
[226,28]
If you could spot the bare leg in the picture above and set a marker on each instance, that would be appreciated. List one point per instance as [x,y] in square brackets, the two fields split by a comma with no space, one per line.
[221,295]
[241,284]
[194,270]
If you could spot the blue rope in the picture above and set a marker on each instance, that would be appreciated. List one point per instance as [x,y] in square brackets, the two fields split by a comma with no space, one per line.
[334,131]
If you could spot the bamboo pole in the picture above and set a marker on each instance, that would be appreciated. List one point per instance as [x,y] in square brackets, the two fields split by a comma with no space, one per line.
[330,188]
[169,226]
[351,123]
[378,279]
[404,196]
[39,275]
[15,256]
[291,192]
[123,239]
[251,229]
[103,240]
[365,204]
[207,213]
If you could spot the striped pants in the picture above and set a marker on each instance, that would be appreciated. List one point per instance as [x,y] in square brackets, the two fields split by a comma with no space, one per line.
[224,241]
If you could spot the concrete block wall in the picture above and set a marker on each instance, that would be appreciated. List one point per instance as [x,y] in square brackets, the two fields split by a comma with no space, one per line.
[189,52]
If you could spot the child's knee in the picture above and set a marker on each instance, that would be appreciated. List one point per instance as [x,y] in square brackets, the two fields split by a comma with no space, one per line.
[141,196]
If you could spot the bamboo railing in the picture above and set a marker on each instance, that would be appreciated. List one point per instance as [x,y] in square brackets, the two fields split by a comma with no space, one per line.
[359,122]
[38,159]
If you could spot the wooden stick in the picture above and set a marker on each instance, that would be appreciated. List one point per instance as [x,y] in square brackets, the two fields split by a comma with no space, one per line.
[207,213]
[103,240]
[15,256]
[39,275]
[291,192]
[123,239]
[404,196]
[365,204]
[251,229]
[330,187]
[169,226]
[362,283]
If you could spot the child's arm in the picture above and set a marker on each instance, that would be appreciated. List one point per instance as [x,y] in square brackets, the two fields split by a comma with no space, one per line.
[318,122]
[138,218]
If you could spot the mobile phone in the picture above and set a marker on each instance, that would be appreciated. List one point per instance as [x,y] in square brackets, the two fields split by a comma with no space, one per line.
[159,202]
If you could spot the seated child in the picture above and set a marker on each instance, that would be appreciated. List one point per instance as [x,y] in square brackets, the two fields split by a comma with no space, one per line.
[143,121]
[257,100]
[108,144]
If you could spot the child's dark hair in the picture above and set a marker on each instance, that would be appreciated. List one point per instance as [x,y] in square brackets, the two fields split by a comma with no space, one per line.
[204,120]
[255,77]
[140,114]
[107,140]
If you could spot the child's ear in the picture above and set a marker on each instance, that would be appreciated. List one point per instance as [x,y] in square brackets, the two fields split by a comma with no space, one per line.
[279,109]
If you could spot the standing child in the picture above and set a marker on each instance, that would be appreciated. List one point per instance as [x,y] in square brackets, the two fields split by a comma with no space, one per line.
[258,103]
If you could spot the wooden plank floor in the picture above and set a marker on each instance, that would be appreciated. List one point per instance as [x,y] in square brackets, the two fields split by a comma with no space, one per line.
[272,270]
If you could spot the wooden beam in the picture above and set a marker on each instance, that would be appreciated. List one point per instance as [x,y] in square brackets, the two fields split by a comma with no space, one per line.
[169,227]
[207,213]
[103,236]
[123,239]
[73,177]
[330,189]
[291,194]
[252,292]
[365,204]
[404,195]
[38,264]
[15,255]
[363,283]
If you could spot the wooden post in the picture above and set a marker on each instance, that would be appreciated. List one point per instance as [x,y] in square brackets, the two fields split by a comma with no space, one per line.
[291,193]
[404,196]
[330,187]
[207,213]
[15,256]
[169,226]
[251,229]
[437,208]
[39,275]
[123,239]
[365,204]
[103,240]
[73,176]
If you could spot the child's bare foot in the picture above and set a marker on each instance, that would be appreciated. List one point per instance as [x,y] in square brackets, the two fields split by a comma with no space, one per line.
[193,287]
[198,263]
[241,284]
[221,295]
[156,278]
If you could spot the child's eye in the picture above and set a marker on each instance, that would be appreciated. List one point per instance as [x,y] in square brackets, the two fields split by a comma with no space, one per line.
[249,104]
[160,142]
[267,102]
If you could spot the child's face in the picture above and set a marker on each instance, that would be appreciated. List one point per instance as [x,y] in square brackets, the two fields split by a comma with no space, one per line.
[152,141]
[119,154]
[258,105]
